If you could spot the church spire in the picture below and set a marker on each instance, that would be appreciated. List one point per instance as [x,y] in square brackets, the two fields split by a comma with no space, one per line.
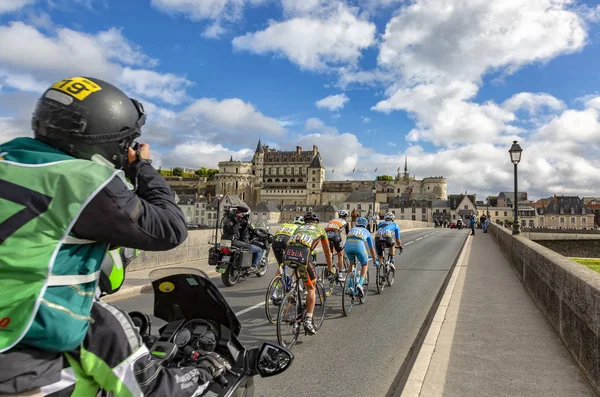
[405,167]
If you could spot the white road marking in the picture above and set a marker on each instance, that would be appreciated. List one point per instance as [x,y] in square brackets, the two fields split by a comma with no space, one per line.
[410,242]
[420,238]
[246,310]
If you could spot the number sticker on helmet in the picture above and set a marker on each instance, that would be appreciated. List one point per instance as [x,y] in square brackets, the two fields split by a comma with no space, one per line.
[77,87]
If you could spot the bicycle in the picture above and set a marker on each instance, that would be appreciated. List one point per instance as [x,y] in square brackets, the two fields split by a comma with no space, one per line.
[385,273]
[293,311]
[350,294]
[276,290]
[329,280]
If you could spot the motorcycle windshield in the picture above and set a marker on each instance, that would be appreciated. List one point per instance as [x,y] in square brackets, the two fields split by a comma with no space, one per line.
[181,292]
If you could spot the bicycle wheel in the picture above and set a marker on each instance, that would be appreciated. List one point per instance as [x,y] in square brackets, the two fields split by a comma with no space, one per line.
[380,277]
[391,276]
[365,287]
[320,301]
[323,276]
[275,294]
[288,320]
[348,296]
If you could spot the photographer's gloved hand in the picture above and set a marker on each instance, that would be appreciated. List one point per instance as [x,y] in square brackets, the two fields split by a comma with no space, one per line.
[214,364]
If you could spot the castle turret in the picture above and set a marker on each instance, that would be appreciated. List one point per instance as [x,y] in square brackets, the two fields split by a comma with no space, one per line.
[316,178]
[258,163]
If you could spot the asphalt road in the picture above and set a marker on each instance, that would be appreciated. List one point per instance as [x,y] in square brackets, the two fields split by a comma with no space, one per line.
[360,354]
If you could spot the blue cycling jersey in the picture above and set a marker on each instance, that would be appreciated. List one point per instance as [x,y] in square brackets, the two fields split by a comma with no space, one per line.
[360,233]
[388,229]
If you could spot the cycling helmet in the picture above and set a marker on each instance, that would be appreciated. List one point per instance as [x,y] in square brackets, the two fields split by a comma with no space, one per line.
[299,220]
[311,217]
[362,222]
[389,216]
[342,213]
[84,116]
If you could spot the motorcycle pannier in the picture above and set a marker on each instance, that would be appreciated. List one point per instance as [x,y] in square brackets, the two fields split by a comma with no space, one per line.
[213,256]
[246,259]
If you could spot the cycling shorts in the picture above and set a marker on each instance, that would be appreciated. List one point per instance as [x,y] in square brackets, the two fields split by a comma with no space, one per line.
[335,240]
[298,257]
[278,247]
[381,243]
[356,250]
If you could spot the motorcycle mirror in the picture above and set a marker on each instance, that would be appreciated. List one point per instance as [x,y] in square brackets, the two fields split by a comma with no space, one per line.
[272,360]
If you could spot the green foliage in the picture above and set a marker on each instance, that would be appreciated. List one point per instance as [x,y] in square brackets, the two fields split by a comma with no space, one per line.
[178,171]
[384,178]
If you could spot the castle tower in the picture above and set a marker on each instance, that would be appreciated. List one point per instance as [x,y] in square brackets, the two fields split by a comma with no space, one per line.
[316,178]
[258,164]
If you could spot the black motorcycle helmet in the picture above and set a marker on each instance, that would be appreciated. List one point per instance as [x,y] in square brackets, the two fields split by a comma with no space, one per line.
[311,217]
[84,116]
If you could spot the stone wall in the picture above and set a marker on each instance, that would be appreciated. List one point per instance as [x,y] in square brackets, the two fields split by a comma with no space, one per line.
[567,293]
[574,248]
[199,242]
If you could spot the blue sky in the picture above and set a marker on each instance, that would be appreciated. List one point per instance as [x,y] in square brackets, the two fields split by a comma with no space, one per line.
[448,83]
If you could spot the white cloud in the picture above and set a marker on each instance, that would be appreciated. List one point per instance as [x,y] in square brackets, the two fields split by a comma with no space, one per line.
[314,42]
[441,53]
[365,119]
[197,154]
[461,40]
[231,114]
[106,55]
[593,103]
[199,10]
[533,103]
[213,31]
[11,128]
[219,12]
[333,102]
[7,6]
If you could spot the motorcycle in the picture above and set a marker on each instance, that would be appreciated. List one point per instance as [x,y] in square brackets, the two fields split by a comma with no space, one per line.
[235,263]
[199,319]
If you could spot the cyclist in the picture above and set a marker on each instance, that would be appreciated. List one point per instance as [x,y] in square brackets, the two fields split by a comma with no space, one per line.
[355,249]
[298,252]
[387,232]
[334,234]
[282,235]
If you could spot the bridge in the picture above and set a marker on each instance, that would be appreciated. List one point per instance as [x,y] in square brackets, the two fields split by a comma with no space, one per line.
[485,315]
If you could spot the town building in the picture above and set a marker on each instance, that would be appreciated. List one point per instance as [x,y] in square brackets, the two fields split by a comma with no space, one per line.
[565,212]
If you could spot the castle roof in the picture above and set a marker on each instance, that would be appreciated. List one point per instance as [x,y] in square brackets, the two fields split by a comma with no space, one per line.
[259,147]
[316,162]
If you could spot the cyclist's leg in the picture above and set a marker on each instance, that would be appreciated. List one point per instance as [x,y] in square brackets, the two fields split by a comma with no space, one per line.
[379,248]
[307,274]
[363,258]
[392,246]
[279,258]
[339,248]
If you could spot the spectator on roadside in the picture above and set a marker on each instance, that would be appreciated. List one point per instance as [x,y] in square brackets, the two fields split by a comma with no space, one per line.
[488,220]
[354,216]
[472,221]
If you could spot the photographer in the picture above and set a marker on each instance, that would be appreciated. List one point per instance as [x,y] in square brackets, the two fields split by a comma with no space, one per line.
[72,181]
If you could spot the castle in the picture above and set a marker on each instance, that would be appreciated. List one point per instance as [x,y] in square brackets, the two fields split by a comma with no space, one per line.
[298,177]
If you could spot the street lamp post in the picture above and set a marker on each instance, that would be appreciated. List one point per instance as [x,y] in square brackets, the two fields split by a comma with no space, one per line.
[219,197]
[488,207]
[515,158]
[373,211]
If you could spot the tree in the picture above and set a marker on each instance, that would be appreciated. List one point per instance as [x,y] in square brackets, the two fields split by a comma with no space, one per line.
[202,172]
[212,172]
[178,171]
[384,178]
